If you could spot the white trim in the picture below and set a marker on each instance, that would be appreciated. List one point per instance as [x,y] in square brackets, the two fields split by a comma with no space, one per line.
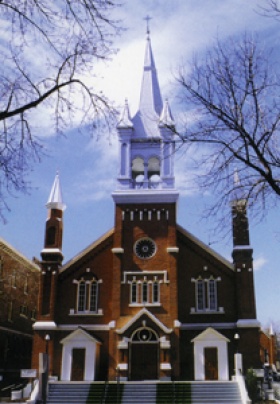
[210,338]
[117,250]
[202,326]
[172,249]
[44,325]
[79,339]
[165,366]
[126,274]
[145,196]
[51,250]
[248,323]
[122,366]
[140,313]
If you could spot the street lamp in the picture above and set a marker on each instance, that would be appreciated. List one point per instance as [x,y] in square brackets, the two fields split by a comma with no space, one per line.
[47,339]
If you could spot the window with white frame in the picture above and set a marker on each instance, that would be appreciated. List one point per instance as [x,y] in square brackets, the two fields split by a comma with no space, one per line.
[145,292]
[156,292]
[133,292]
[87,295]
[206,294]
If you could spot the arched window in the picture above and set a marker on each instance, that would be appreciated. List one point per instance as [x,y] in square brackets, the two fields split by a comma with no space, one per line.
[206,294]
[144,334]
[156,294]
[51,232]
[137,168]
[153,167]
[212,294]
[133,292]
[87,295]
[145,292]
[123,158]
[200,295]
[82,296]
[93,296]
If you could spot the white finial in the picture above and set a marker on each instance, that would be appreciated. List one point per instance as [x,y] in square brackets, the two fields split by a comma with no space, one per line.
[125,121]
[166,118]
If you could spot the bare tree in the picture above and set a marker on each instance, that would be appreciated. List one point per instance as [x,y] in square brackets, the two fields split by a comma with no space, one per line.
[232,97]
[271,9]
[49,51]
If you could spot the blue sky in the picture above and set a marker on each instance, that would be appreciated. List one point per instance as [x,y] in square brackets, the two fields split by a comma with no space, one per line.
[88,166]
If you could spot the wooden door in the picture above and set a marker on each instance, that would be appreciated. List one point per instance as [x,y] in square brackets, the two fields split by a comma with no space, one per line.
[78,364]
[144,361]
[211,363]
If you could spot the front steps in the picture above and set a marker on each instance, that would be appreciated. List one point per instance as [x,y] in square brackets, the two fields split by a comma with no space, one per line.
[144,393]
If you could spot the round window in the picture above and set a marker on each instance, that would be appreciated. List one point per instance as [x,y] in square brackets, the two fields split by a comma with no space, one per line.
[145,248]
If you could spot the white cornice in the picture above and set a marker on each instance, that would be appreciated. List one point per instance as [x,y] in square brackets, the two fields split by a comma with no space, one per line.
[248,323]
[145,196]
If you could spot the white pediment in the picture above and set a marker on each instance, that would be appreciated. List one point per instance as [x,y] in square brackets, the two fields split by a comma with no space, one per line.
[79,335]
[153,318]
[210,335]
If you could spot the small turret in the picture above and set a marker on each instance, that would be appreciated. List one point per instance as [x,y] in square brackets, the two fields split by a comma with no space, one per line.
[52,252]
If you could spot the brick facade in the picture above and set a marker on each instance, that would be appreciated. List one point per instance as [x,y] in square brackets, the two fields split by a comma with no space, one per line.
[19,280]
[147,300]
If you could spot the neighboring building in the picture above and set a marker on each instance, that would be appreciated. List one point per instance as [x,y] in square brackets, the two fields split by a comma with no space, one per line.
[19,285]
[147,300]
[269,348]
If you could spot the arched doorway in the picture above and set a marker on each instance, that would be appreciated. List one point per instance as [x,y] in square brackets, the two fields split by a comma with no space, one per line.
[144,355]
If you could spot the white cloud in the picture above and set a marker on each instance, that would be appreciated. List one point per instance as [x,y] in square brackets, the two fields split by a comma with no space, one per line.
[259,263]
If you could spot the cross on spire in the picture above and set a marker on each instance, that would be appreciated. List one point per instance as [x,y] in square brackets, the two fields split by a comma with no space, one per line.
[148,18]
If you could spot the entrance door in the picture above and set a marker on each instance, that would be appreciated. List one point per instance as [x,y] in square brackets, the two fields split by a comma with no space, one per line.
[78,364]
[211,363]
[144,361]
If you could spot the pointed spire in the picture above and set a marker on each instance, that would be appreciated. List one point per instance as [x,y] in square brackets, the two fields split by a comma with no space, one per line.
[166,118]
[55,199]
[150,97]
[146,120]
[125,121]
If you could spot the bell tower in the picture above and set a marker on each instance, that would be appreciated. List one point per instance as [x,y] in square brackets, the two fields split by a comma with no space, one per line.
[242,254]
[145,246]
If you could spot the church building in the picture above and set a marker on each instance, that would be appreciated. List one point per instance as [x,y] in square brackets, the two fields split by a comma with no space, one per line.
[147,300]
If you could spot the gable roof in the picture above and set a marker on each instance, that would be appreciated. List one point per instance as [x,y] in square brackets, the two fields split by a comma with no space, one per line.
[81,335]
[210,334]
[205,247]
[7,248]
[151,316]
[87,250]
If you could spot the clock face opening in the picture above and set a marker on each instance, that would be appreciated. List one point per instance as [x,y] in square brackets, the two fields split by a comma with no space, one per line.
[145,248]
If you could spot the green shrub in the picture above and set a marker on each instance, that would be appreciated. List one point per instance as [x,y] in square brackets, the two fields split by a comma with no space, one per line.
[252,385]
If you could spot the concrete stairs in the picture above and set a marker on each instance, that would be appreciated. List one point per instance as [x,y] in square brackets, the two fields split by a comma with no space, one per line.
[144,393]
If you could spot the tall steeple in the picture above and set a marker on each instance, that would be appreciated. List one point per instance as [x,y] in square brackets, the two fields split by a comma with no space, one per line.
[147,143]
[52,251]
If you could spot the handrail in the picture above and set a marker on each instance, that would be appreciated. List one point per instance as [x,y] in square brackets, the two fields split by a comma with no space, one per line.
[242,387]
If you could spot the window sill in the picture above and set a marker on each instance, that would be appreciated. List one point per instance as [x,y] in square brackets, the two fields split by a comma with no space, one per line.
[219,311]
[86,313]
[144,304]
